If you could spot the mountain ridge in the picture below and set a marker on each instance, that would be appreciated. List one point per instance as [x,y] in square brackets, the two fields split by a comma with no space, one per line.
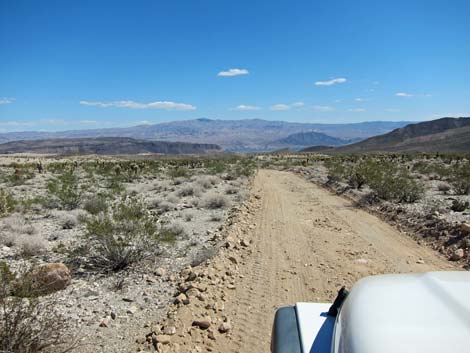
[440,135]
[231,135]
[105,146]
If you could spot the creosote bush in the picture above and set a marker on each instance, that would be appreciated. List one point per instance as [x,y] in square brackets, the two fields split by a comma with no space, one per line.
[66,190]
[120,236]
[7,203]
[392,183]
[388,181]
[460,179]
[96,204]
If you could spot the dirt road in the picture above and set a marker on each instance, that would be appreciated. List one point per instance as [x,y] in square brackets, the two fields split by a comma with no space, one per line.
[305,244]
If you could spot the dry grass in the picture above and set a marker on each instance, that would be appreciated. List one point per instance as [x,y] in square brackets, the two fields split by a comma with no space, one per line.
[189,190]
[215,201]
[31,245]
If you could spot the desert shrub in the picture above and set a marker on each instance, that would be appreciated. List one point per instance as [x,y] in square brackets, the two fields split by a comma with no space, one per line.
[443,187]
[7,202]
[459,205]
[161,205]
[68,221]
[195,201]
[358,174]
[336,170]
[189,190]
[66,190]
[179,180]
[177,172]
[188,216]
[20,175]
[244,167]
[392,183]
[114,183]
[231,190]
[96,204]
[17,224]
[215,217]
[27,324]
[214,201]
[206,181]
[174,230]
[26,204]
[173,198]
[216,166]
[435,170]
[124,234]
[31,245]
[460,178]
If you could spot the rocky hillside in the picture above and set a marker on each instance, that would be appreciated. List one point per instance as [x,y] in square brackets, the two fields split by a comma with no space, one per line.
[441,135]
[231,135]
[105,146]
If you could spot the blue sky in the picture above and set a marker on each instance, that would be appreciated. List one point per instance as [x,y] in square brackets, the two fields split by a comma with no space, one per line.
[102,63]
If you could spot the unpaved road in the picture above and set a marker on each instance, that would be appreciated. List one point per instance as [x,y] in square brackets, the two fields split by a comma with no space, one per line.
[305,244]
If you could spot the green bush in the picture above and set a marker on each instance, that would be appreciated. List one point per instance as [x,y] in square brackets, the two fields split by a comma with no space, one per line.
[392,183]
[96,204]
[20,174]
[360,173]
[177,172]
[66,190]
[336,170]
[460,179]
[7,202]
[124,234]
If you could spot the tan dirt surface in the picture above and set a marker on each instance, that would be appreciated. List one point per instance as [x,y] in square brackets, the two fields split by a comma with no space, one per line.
[295,242]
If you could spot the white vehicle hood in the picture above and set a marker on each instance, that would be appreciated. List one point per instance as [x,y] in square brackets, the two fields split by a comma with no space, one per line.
[413,313]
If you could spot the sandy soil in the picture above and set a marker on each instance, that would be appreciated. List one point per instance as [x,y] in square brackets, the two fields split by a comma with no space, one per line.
[300,243]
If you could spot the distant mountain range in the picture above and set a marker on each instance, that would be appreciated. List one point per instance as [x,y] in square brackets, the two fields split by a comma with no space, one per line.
[231,135]
[441,135]
[105,146]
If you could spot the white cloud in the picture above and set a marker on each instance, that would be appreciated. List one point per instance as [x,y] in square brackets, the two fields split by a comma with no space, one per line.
[166,105]
[87,121]
[330,82]
[323,108]
[280,107]
[403,94]
[360,99]
[6,100]
[244,107]
[286,106]
[357,110]
[233,72]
